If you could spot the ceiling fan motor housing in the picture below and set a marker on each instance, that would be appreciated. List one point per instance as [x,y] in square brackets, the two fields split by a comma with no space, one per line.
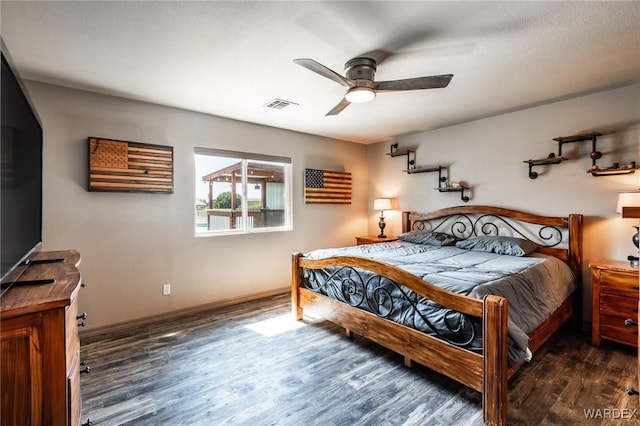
[360,69]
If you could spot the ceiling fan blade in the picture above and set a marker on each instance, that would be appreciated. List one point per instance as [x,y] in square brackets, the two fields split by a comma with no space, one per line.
[432,82]
[318,68]
[338,108]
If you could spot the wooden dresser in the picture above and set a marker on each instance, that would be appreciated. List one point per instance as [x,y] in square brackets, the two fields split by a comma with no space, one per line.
[39,344]
[615,287]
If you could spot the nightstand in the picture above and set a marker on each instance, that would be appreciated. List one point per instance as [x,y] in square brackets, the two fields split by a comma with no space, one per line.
[614,302]
[373,239]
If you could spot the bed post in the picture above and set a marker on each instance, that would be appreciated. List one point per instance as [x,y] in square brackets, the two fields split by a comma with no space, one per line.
[494,332]
[296,277]
[575,263]
[575,245]
[406,221]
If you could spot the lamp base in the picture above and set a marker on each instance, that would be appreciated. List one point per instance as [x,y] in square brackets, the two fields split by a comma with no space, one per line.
[636,242]
[382,225]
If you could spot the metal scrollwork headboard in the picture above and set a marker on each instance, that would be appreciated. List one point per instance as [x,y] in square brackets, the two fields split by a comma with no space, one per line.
[463,226]
[557,236]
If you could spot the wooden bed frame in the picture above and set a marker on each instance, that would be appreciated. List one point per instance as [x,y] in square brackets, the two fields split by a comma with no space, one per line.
[488,372]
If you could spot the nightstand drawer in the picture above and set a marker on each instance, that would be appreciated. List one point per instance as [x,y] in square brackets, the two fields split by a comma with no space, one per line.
[614,329]
[619,283]
[618,307]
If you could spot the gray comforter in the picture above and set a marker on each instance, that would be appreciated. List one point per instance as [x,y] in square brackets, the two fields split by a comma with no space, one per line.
[535,287]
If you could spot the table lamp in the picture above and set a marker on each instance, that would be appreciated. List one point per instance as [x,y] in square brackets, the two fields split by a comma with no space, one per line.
[629,207]
[382,204]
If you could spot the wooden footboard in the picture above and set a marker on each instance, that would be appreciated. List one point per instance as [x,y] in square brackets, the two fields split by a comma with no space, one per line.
[486,374]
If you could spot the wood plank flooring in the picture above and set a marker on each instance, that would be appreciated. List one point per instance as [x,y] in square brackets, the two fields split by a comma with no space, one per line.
[214,368]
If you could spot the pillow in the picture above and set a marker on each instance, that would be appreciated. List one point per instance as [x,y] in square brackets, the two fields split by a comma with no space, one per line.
[512,246]
[431,238]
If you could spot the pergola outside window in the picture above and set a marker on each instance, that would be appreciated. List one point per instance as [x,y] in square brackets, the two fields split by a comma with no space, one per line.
[239,192]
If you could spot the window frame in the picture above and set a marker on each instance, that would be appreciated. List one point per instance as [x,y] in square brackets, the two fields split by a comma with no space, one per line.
[245,158]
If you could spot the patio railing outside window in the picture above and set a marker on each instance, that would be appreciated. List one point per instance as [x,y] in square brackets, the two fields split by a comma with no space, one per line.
[241,192]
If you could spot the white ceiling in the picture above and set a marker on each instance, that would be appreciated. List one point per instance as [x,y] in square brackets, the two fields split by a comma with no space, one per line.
[231,58]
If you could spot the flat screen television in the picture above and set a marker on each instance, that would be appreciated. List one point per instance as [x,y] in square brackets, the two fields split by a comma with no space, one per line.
[21,176]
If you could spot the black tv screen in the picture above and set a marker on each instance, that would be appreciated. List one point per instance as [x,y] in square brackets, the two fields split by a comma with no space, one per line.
[21,175]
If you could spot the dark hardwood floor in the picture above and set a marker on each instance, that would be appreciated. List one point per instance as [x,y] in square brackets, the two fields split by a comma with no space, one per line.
[220,368]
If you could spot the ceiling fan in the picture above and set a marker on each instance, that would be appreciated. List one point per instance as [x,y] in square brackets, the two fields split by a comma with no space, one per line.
[360,84]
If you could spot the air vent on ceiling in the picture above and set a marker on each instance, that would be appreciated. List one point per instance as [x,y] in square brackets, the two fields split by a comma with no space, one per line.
[280,104]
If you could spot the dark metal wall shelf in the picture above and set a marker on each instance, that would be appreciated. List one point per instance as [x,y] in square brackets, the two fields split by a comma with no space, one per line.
[551,159]
[614,170]
[459,189]
[412,169]
[593,136]
[438,169]
[595,155]
[411,156]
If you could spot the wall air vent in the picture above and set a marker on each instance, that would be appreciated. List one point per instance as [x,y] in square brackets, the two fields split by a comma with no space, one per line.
[280,104]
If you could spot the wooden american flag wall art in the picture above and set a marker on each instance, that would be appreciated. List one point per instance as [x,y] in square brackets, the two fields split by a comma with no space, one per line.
[325,187]
[121,166]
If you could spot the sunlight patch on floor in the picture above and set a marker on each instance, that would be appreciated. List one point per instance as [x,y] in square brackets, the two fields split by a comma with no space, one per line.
[275,326]
[311,318]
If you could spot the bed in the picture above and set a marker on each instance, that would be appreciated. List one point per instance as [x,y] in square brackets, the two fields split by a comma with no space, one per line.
[333,283]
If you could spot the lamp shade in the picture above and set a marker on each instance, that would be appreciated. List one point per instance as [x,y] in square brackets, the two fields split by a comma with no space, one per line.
[628,199]
[382,204]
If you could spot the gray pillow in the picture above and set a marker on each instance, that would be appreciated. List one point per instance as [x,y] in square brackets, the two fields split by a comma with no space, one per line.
[512,246]
[429,238]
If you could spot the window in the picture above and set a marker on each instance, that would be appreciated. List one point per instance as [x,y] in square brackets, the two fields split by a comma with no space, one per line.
[237,192]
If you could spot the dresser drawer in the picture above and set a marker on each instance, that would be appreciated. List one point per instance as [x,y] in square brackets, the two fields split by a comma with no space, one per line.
[73,394]
[71,334]
[619,283]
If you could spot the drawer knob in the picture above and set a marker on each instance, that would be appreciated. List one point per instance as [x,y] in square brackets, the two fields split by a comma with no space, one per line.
[85,369]
[88,423]
[81,324]
[630,323]
[82,317]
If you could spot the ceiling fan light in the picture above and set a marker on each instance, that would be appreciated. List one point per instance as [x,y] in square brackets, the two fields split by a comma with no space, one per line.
[359,95]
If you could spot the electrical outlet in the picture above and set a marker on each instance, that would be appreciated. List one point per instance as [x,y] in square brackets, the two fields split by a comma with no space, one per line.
[166,289]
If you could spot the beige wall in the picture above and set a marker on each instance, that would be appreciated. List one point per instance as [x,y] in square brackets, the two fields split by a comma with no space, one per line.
[132,244]
[488,154]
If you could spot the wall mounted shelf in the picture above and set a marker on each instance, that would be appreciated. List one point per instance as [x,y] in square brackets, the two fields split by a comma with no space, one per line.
[593,136]
[595,155]
[411,156]
[551,159]
[438,169]
[614,170]
[412,169]
[459,189]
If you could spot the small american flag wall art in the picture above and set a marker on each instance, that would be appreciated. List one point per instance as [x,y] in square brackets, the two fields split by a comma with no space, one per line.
[324,187]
